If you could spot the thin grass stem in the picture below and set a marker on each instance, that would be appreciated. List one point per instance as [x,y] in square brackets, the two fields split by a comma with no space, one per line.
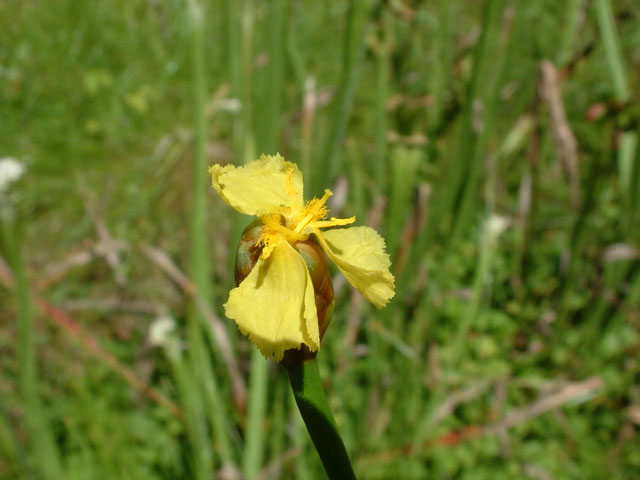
[357,20]
[210,402]
[621,90]
[41,437]
[257,407]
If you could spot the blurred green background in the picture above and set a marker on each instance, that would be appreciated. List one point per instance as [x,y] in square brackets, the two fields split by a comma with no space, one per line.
[493,143]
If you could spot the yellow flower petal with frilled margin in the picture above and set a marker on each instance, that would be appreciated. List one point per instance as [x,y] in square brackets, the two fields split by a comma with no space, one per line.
[359,253]
[275,305]
[258,187]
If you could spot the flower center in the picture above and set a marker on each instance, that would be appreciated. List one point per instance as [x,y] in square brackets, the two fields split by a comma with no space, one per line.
[296,222]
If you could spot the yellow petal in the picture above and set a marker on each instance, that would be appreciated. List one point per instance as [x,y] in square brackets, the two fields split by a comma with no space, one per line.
[359,253]
[275,305]
[258,187]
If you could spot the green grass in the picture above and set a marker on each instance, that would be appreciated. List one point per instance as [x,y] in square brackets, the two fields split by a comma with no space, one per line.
[427,116]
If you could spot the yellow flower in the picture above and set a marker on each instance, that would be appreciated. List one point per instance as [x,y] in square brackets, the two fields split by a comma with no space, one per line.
[274,305]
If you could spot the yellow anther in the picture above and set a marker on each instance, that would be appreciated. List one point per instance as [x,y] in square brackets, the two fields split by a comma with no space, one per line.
[334,222]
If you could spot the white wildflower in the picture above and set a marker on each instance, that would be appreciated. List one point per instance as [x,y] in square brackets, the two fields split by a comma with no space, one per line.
[495,226]
[10,171]
[232,105]
[161,331]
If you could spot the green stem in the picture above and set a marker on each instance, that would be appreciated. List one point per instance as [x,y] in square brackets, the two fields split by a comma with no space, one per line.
[41,436]
[358,16]
[621,89]
[195,428]
[255,433]
[199,354]
[571,31]
[383,73]
[312,403]
[613,50]
[487,247]
[200,263]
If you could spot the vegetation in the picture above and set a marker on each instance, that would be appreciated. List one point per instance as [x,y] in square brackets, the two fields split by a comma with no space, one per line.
[494,144]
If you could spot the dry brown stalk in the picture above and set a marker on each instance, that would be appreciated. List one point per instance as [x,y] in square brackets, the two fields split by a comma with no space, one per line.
[221,336]
[108,247]
[70,326]
[566,393]
[564,139]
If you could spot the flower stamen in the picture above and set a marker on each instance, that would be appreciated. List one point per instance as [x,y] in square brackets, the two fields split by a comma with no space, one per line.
[291,191]
[334,222]
[295,222]
[272,232]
